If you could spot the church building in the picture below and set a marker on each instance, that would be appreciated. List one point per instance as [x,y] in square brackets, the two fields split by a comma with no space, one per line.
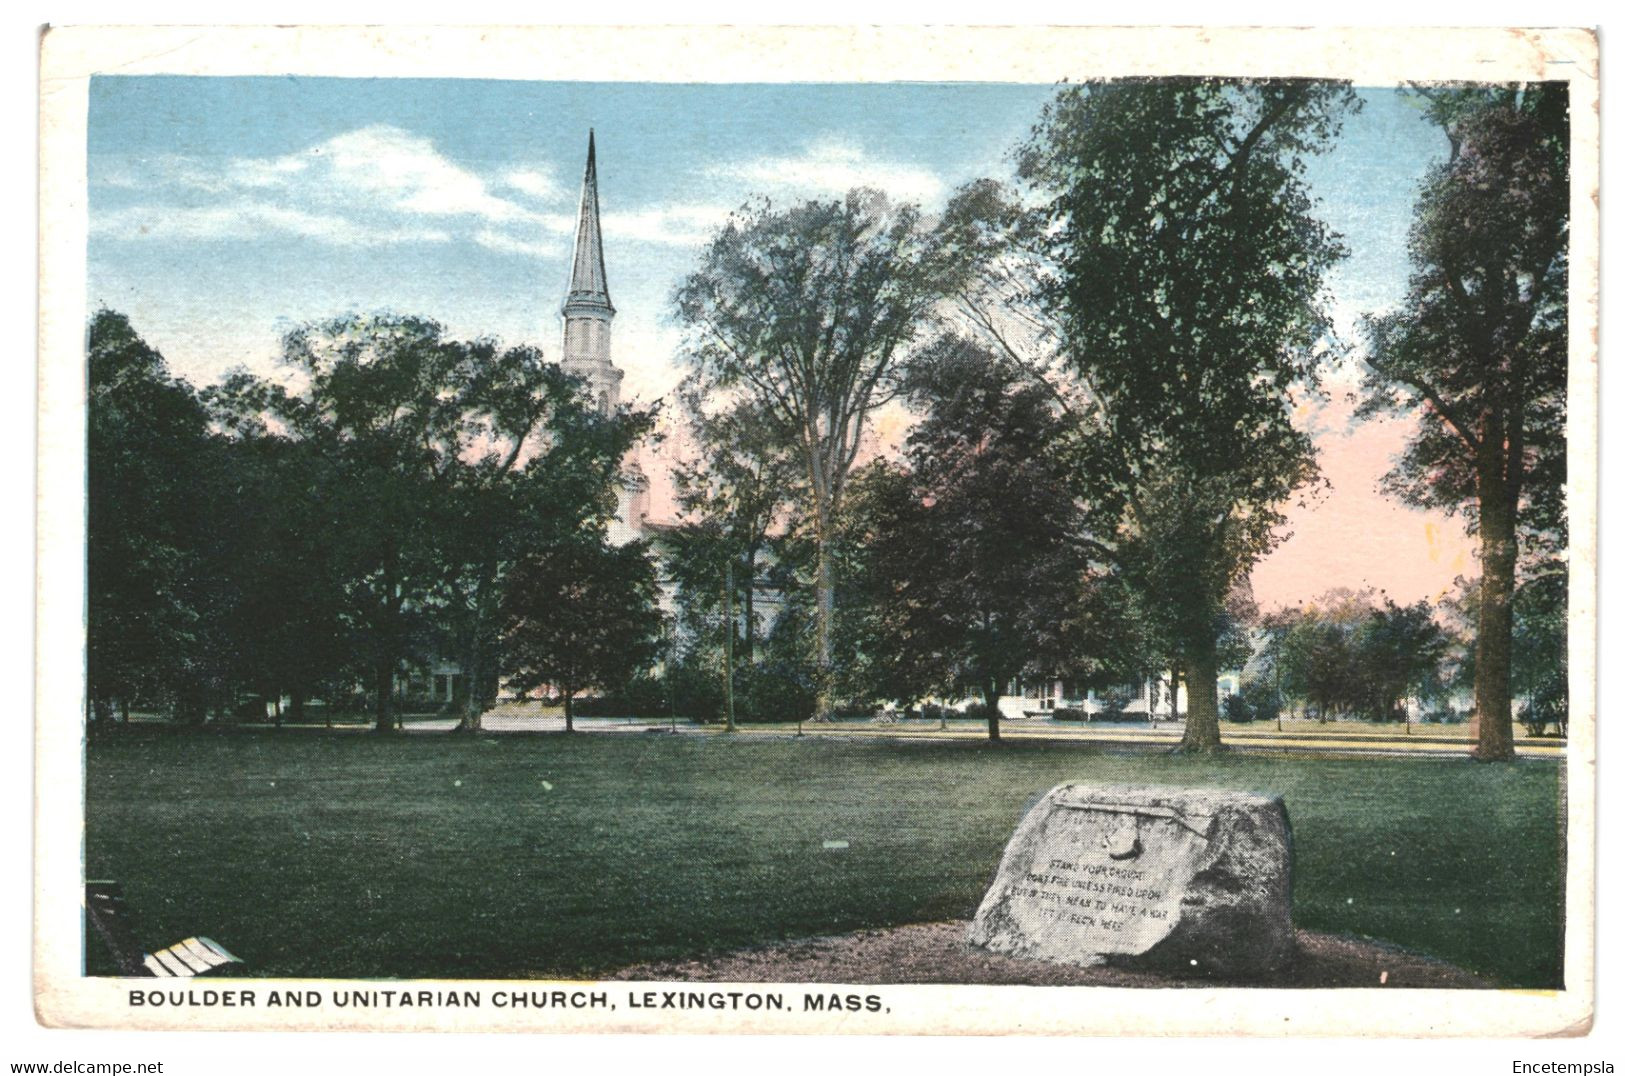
[588,315]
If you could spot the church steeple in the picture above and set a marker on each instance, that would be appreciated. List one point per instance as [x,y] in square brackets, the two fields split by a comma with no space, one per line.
[589,287]
[587,309]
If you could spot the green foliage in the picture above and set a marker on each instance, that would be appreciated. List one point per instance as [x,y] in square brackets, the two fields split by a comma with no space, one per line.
[734,490]
[439,464]
[804,312]
[1478,353]
[968,563]
[977,710]
[1483,333]
[1347,655]
[318,536]
[1256,701]
[283,628]
[1540,652]
[581,615]
[148,459]
[1186,282]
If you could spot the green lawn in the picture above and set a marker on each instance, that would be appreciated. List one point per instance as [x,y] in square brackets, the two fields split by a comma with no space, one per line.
[350,855]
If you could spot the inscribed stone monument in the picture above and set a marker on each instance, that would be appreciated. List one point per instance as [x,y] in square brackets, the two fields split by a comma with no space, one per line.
[1195,880]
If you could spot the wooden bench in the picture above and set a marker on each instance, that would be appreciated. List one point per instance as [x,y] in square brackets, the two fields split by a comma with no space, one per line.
[111,919]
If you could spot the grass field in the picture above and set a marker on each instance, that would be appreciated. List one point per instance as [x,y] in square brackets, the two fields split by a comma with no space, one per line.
[349,855]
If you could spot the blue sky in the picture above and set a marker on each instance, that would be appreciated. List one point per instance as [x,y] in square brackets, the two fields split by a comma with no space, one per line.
[224,211]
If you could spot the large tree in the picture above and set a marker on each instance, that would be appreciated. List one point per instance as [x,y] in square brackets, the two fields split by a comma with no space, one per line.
[1184,273]
[581,614]
[970,566]
[735,488]
[538,464]
[806,311]
[437,464]
[281,626]
[1478,350]
[147,440]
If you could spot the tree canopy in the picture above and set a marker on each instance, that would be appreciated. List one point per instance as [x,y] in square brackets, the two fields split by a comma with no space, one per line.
[1184,278]
[369,504]
[1348,653]
[970,569]
[1478,351]
[146,520]
[578,615]
[806,311]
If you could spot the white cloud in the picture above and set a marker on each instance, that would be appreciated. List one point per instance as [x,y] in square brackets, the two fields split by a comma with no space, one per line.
[672,225]
[834,166]
[508,243]
[249,220]
[381,184]
[558,223]
[374,185]
[404,170]
[260,174]
[536,182]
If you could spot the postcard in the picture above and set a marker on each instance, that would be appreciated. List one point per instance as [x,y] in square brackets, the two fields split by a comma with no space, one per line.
[805,530]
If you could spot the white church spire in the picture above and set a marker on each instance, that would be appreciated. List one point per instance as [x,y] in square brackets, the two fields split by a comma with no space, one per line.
[587,317]
[589,286]
[587,309]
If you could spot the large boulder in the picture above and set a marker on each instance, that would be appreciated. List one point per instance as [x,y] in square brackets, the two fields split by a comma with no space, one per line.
[1191,880]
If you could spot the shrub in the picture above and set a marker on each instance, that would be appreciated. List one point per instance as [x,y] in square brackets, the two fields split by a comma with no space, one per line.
[1114,704]
[978,711]
[1067,713]
[775,690]
[646,696]
[1256,701]
[696,689]
[1536,718]
[612,705]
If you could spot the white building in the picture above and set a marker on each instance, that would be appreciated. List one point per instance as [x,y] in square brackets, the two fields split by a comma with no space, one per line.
[1140,700]
[584,349]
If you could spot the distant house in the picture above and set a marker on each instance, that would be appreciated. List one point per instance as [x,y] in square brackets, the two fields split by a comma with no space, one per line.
[1147,698]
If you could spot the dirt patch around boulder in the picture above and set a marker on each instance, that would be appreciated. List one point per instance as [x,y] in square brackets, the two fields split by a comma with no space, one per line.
[938,953]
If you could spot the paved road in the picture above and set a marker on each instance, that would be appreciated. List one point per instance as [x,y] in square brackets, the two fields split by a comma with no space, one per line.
[1352,740]
[1339,743]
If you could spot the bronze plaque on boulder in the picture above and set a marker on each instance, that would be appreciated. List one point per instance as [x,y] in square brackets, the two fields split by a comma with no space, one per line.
[1194,879]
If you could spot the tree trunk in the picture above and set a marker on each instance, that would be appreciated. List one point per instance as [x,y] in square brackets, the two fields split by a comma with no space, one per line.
[569,712]
[991,695]
[824,589]
[750,607]
[296,706]
[383,678]
[1498,551]
[1202,726]
[386,641]
[473,655]
[728,643]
